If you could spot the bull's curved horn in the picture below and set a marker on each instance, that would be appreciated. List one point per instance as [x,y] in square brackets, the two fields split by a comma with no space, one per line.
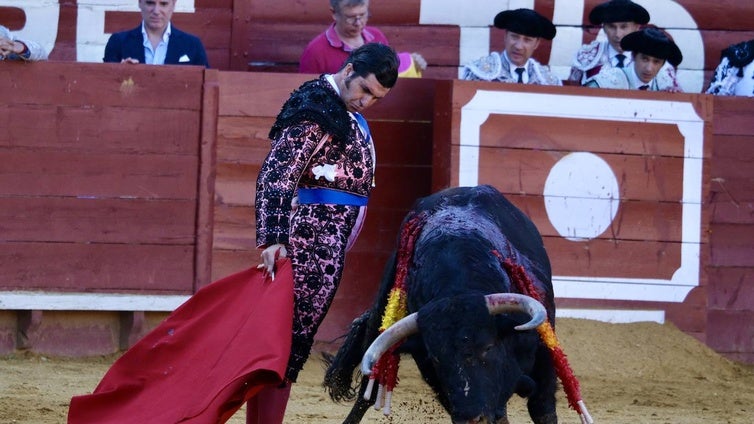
[499,303]
[405,327]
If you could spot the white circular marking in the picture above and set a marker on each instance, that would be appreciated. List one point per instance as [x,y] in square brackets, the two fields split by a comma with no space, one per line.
[581,196]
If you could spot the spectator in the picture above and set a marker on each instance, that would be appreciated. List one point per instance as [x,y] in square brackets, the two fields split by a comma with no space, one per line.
[156,41]
[734,76]
[651,48]
[524,30]
[318,175]
[617,18]
[328,50]
[12,48]
[411,65]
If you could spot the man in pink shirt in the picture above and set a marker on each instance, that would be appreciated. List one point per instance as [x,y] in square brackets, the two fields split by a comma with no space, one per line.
[327,51]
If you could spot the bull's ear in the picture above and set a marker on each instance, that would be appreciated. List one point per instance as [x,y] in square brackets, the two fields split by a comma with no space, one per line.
[506,324]
[411,344]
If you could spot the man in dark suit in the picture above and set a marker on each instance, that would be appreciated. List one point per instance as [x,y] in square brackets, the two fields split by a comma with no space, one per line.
[156,41]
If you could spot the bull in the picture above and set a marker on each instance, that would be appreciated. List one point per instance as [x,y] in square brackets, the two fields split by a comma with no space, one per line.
[470,333]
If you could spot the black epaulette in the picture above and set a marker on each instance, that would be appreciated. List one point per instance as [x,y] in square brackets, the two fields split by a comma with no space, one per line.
[740,55]
[318,102]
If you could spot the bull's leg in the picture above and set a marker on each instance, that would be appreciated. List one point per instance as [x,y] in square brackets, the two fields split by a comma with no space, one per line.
[357,412]
[361,406]
[547,419]
[541,403]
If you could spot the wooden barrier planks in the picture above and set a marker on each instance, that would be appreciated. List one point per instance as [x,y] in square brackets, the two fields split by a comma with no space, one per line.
[99,186]
[732,229]
[104,176]
[315,11]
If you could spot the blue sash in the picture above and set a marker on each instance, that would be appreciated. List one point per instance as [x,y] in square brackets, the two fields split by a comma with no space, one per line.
[363,124]
[331,197]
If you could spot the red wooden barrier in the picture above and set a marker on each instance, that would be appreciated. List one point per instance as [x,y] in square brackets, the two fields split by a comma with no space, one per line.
[124,186]
[116,145]
[731,204]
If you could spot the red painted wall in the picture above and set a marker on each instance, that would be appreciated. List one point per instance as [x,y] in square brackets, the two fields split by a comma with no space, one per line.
[89,121]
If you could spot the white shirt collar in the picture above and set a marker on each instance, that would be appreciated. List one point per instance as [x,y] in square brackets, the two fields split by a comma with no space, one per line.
[331,79]
[611,52]
[165,35]
[634,80]
[513,67]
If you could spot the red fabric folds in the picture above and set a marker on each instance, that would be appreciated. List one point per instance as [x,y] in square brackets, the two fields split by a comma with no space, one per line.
[212,354]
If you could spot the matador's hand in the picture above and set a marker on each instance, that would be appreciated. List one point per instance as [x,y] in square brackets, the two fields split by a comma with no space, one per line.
[270,255]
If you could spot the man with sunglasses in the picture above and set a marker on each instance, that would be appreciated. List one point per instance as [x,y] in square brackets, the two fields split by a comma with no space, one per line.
[328,50]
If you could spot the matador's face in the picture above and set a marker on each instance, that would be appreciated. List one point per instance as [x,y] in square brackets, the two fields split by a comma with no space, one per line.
[359,93]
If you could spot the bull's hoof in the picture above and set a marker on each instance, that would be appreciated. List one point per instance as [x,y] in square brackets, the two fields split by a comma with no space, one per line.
[551,418]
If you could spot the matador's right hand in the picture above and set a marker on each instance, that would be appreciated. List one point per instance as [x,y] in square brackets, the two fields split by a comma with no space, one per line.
[269,256]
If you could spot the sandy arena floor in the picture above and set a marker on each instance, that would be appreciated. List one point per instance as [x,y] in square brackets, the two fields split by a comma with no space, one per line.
[629,373]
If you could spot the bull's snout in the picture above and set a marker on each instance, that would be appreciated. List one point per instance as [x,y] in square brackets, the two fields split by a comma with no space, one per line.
[481,419]
[476,420]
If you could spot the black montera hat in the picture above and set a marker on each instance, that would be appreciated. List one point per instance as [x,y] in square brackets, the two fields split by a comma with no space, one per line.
[525,22]
[618,11]
[653,42]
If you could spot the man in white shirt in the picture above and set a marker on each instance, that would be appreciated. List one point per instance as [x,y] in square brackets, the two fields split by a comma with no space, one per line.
[156,41]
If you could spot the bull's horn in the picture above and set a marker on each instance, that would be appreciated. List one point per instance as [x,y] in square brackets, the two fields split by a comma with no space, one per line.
[400,330]
[500,303]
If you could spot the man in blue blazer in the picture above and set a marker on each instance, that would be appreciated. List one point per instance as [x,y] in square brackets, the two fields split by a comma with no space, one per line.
[156,41]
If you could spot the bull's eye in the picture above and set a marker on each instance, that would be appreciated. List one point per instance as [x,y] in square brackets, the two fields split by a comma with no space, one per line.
[487,350]
[467,349]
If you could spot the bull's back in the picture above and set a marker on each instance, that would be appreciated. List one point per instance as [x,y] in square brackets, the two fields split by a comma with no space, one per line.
[486,201]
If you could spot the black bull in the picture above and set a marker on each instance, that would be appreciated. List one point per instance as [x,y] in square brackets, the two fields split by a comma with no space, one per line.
[474,358]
